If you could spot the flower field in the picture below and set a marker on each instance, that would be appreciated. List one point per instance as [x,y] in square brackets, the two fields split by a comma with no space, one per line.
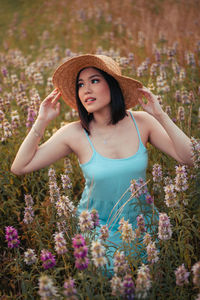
[47,252]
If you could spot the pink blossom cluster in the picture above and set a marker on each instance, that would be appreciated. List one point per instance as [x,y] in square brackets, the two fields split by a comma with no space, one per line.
[29,212]
[104,233]
[85,221]
[66,182]
[181,184]
[60,243]
[70,291]
[171,199]
[120,263]
[12,237]
[143,281]
[80,252]
[138,187]
[48,259]
[164,228]
[140,225]
[98,254]
[127,233]
[181,275]
[152,252]
[157,173]
[47,290]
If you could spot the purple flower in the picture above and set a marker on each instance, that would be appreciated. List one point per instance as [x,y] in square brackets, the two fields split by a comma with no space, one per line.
[80,252]
[181,275]
[129,287]
[149,199]
[12,237]
[78,241]
[141,224]
[48,259]
[82,263]
[69,289]
[95,217]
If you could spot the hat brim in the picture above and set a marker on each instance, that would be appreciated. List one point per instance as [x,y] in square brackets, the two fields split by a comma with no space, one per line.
[64,78]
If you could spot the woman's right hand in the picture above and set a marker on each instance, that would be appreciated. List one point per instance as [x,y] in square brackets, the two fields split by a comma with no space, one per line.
[50,107]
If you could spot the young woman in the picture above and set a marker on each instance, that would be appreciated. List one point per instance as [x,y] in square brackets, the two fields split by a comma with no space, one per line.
[109,141]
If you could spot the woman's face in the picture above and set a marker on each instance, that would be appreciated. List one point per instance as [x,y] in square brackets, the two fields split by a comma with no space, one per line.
[93,90]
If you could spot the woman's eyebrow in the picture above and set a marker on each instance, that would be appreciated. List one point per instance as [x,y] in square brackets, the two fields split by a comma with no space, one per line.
[94,75]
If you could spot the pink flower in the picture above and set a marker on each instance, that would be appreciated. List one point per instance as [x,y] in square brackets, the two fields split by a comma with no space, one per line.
[95,217]
[80,252]
[181,275]
[12,237]
[48,259]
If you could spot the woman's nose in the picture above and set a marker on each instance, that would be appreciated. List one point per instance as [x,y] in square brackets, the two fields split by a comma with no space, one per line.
[88,88]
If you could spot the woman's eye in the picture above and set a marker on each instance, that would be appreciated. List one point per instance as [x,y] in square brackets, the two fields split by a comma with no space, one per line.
[80,85]
[95,80]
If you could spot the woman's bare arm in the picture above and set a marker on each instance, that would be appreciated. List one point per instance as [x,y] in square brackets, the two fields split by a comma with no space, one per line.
[163,132]
[30,157]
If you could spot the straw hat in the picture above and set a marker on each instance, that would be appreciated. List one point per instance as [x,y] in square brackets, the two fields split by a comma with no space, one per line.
[65,76]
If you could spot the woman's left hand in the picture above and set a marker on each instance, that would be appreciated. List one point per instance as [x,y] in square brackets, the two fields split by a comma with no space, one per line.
[152,106]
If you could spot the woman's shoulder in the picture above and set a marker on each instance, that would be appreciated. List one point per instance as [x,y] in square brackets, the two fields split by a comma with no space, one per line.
[73,128]
[141,116]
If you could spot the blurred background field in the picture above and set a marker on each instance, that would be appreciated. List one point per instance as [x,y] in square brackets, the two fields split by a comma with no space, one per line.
[156,42]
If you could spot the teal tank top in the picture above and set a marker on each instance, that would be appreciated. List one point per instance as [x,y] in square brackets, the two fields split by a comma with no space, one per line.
[106,180]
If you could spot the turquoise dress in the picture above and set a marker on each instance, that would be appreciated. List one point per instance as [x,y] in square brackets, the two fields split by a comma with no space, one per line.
[107,180]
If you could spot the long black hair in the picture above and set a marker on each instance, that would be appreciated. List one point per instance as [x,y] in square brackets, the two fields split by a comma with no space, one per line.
[118,109]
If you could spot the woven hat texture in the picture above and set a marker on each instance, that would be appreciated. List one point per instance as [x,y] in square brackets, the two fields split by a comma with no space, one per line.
[64,78]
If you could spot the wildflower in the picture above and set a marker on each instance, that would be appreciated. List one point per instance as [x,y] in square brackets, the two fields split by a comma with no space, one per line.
[53,187]
[195,152]
[138,187]
[181,179]
[170,196]
[30,257]
[149,199]
[181,113]
[196,274]
[60,243]
[31,117]
[67,165]
[147,239]
[47,290]
[95,217]
[120,263]
[152,253]
[168,110]
[128,287]
[116,286]
[66,182]
[12,237]
[157,173]
[164,228]
[98,252]
[80,252]
[69,289]
[181,275]
[182,75]
[126,230]
[48,259]
[104,232]
[65,207]
[29,212]
[141,225]
[85,221]
[143,282]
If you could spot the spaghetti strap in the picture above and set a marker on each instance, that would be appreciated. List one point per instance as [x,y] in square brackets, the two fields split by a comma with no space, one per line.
[136,126]
[89,140]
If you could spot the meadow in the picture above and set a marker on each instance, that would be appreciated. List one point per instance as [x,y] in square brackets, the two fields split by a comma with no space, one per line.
[47,252]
